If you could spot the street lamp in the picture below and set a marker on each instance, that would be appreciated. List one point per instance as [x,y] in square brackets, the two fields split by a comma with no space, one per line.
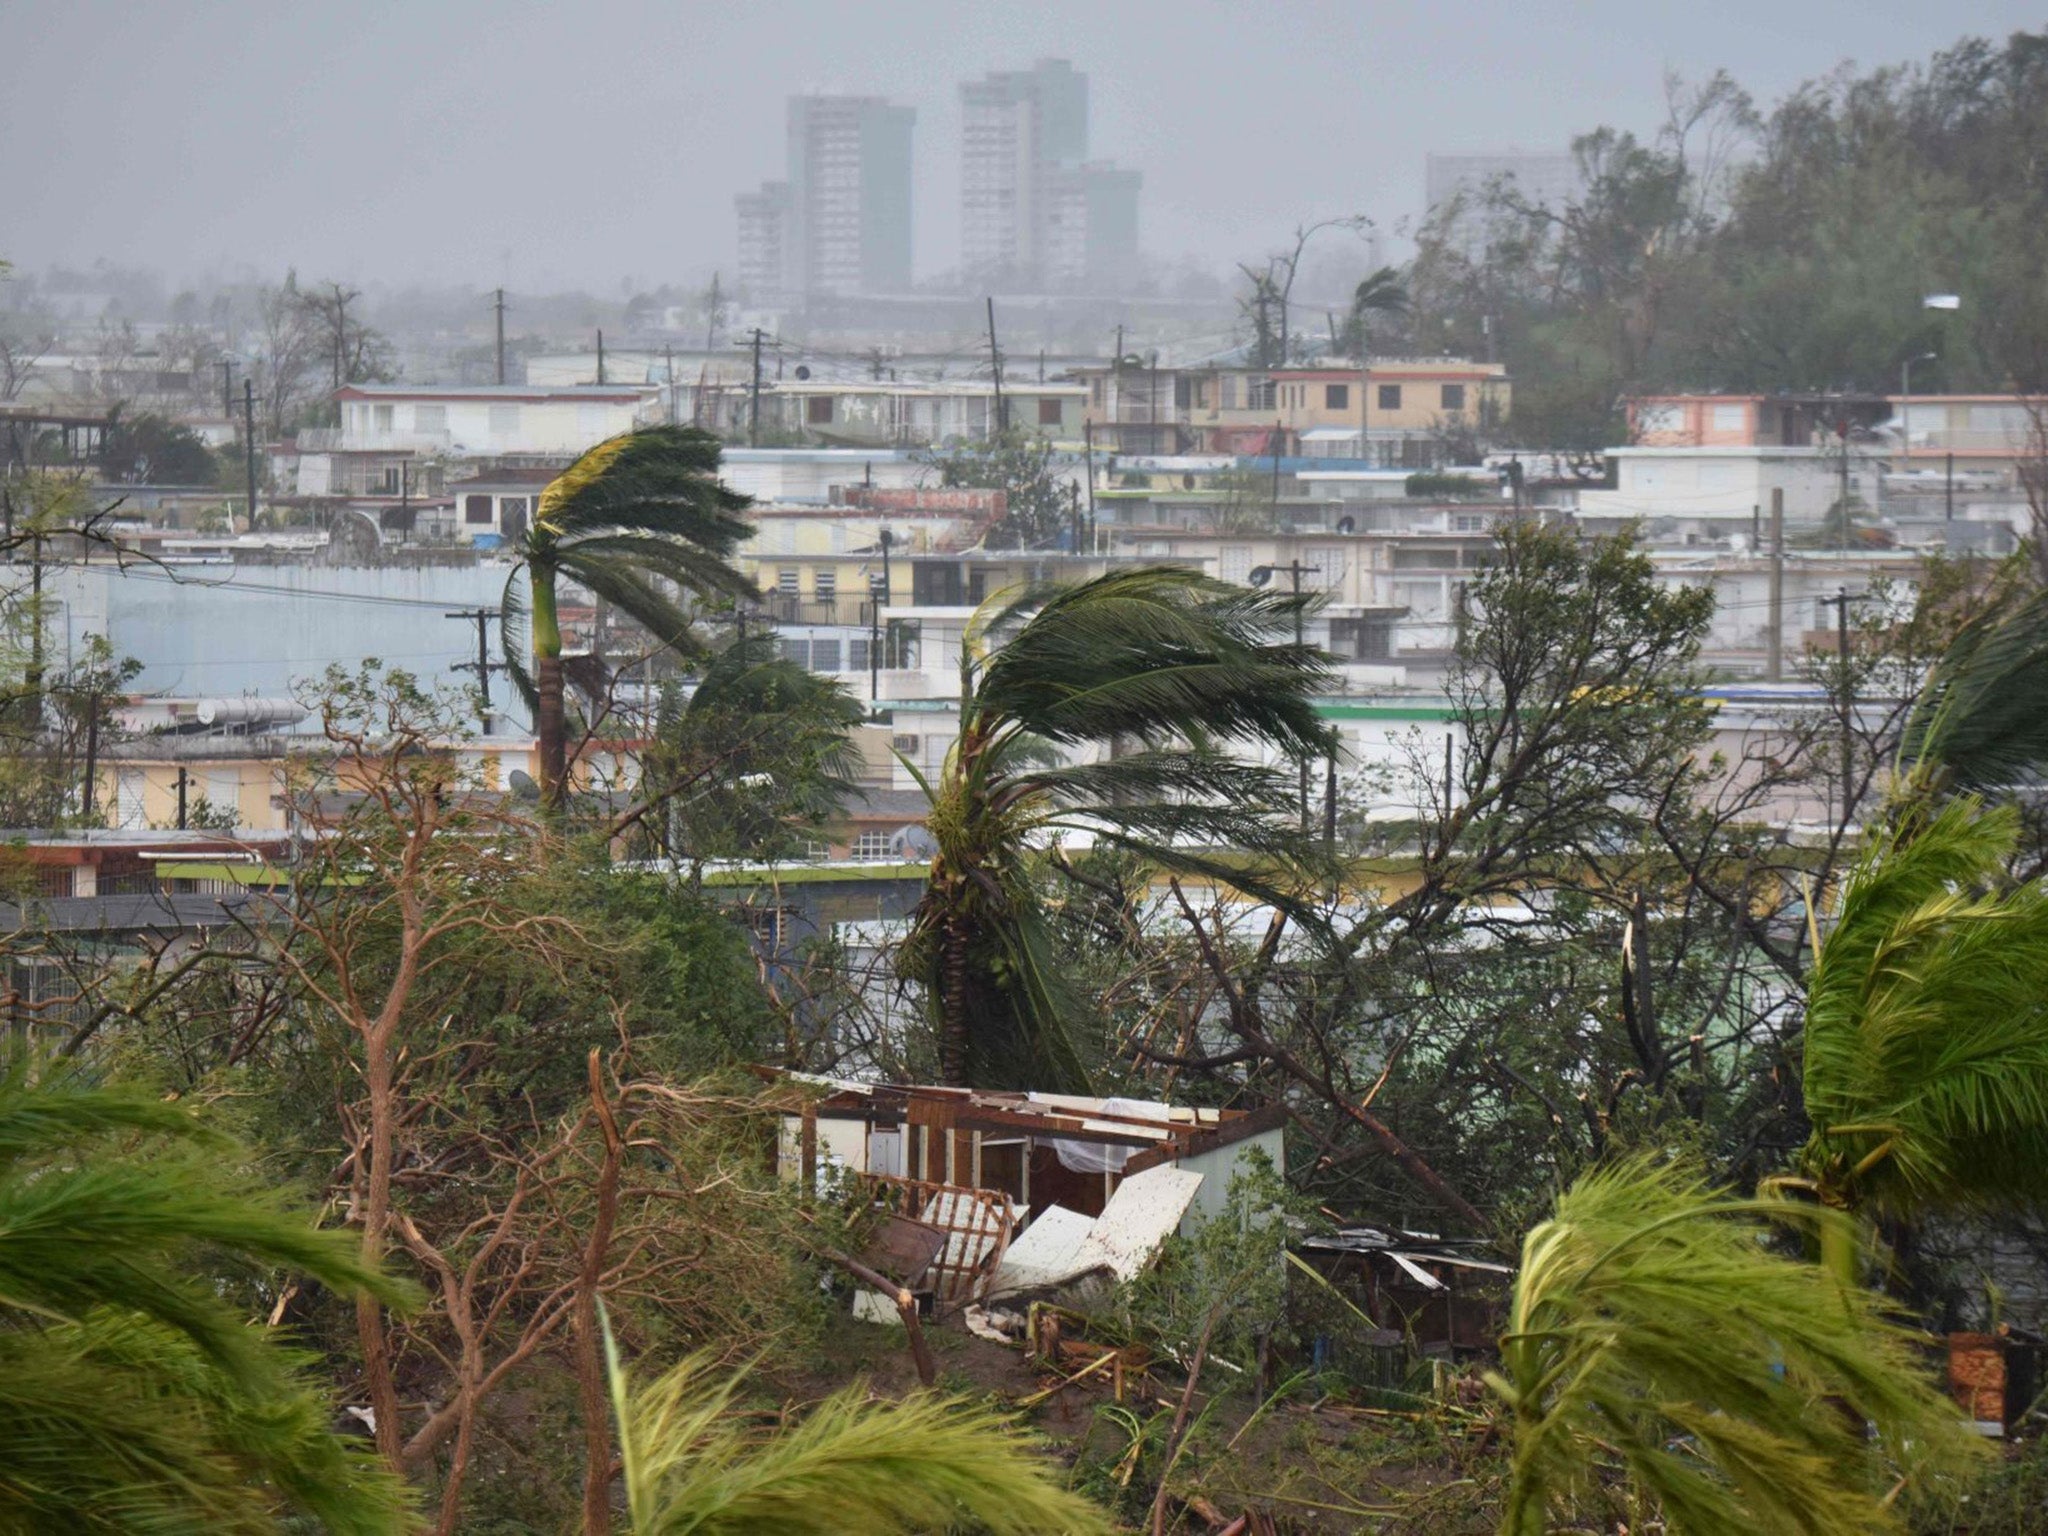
[1906,407]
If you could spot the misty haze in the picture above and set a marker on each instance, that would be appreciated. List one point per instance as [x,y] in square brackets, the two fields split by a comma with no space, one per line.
[1157,768]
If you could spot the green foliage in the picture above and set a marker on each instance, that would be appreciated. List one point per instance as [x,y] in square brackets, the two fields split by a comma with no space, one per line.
[147,449]
[1228,1276]
[759,754]
[1038,504]
[133,1394]
[1656,1338]
[1978,722]
[1437,485]
[1176,667]
[850,1467]
[1926,1067]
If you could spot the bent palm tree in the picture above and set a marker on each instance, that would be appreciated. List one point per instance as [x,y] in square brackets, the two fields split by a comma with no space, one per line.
[637,509]
[851,1468]
[1926,1049]
[133,1394]
[1981,720]
[1651,1327]
[1174,662]
[760,751]
[1378,293]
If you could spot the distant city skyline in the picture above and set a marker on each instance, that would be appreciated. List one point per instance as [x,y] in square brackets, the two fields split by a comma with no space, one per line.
[548,149]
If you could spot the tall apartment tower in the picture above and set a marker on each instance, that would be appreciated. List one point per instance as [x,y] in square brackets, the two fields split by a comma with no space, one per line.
[1035,211]
[840,222]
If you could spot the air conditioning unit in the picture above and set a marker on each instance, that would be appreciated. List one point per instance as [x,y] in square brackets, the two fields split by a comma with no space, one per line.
[903,744]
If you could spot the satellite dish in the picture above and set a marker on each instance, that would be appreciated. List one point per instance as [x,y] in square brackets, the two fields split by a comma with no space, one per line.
[523,787]
[913,842]
[1347,525]
[802,372]
[1261,574]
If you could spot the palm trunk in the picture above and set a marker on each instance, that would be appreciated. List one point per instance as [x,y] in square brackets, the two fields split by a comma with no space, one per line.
[953,1006]
[549,723]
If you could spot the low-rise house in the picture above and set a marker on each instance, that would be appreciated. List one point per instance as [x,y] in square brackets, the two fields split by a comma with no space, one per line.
[503,421]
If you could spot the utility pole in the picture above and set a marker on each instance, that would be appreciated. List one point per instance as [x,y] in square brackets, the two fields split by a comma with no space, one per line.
[754,395]
[92,755]
[184,778]
[1088,457]
[499,307]
[878,594]
[1845,698]
[227,390]
[483,666]
[1774,641]
[1295,571]
[600,356]
[995,363]
[713,303]
[249,444]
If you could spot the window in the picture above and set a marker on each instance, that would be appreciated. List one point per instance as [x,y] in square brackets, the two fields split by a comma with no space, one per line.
[1454,397]
[1095,394]
[1049,414]
[504,421]
[1730,418]
[1390,397]
[1183,392]
[430,418]
[818,409]
[789,581]
[857,654]
[1260,394]
[1229,391]
[825,583]
[128,797]
[796,651]
[382,415]
[1235,563]
[872,845]
[824,655]
[1336,397]
[476,509]
[512,512]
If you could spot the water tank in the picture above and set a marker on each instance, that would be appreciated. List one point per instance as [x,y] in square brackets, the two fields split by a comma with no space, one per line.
[248,713]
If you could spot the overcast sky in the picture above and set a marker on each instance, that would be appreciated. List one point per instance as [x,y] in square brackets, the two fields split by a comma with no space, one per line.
[455,141]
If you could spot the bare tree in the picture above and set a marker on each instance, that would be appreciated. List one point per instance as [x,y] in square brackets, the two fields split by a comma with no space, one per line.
[1273,289]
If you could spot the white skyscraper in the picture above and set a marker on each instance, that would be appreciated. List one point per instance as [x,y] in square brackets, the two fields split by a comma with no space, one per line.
[1035,212]
[841,222]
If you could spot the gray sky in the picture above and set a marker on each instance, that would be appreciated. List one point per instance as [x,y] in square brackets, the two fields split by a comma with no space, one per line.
[542,144]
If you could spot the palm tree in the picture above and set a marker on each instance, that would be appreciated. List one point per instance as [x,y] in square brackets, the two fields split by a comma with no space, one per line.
[1378,293]
[1926,1043]
[760,751]
[640,508]
[134,1395]
[1175,666]
[851,1468]
[1980,722]
[1653,1333]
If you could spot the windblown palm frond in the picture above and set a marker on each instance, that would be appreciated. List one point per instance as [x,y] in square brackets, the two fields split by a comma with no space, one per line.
[852,1467]
[1926,1049]
[1654,1335]
[133,1395]
[1981,721]
[1168,671]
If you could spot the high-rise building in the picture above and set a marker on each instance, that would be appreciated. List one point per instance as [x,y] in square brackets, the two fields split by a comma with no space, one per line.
[840,223]
[764,239]
[1035,212]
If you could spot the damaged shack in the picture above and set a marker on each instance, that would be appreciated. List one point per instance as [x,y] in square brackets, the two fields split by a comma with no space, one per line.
[1080,1186]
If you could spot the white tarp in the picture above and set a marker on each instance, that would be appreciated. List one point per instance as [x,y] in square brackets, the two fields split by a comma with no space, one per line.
[1103,1157]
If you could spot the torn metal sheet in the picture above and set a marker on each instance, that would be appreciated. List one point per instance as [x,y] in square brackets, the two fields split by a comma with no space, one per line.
[1416,1272]
[1145,1210]
[1046,1254]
